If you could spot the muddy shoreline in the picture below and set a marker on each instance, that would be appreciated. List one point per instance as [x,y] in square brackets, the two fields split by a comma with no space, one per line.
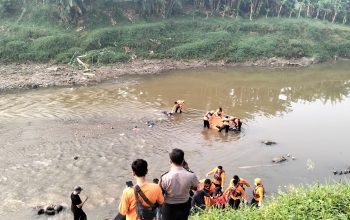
[37,75]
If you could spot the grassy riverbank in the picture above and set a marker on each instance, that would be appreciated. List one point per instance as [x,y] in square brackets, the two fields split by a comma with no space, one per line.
[231,40]
[315,202]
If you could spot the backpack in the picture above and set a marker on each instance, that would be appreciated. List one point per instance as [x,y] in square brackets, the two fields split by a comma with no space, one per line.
[144,212]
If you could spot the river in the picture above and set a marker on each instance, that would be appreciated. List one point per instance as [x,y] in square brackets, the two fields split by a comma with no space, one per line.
[306,111]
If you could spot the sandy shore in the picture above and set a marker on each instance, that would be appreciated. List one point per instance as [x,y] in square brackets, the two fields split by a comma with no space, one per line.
[36,75]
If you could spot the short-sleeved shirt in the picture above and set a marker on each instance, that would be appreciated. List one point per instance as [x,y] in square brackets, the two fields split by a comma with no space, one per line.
[127,204]
[75,201]
[177,184]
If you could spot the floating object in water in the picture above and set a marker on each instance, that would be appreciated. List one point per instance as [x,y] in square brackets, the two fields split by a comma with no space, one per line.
[150,124]
[268,142]
[293,158]
[76,158]
[279,159]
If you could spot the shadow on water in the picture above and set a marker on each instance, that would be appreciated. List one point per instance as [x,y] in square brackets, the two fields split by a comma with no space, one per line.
[108,126]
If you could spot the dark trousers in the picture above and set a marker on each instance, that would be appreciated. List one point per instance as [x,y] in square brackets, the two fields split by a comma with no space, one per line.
[226,127]
[254,203]
[178,108]
[234,203]
[79,215]
[206,124]
[176,211]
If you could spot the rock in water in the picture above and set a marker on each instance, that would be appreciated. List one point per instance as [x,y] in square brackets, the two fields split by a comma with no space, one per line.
[268,142]
[278,159]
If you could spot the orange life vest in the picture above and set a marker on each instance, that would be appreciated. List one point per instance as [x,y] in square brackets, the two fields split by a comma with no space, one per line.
[217,175]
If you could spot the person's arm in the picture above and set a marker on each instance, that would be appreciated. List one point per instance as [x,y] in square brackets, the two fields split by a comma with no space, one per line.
[124,204]
[81,204]
[244,182]
[211,172]
[222,179]
[244,195]
[160,199]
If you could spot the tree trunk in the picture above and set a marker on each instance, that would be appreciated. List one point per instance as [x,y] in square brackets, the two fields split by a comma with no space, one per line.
[317,14]
[251,10]
[238,8]
[324,15]
[335,15]
[290,13]
[344,19]
[267,13]
[279,11]
[299,11]
[308,10]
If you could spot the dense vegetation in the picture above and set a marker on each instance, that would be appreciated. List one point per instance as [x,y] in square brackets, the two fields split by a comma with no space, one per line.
[108,31]
[316,202]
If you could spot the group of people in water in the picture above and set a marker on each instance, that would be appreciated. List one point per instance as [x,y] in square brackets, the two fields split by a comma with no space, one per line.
[213,119]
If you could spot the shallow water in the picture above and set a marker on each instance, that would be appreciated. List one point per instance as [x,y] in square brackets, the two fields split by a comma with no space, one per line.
[306,111]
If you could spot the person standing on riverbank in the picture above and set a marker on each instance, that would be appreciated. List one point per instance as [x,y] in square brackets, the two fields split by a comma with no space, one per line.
[176,185]
[244,183]
[77,204]
[234,194]
[152,191]
[258,193]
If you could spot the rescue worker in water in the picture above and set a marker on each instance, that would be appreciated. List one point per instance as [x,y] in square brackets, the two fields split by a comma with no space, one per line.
[206,119]
[219,176]
[237,124]
[226,124]
[258,193]
[178,105]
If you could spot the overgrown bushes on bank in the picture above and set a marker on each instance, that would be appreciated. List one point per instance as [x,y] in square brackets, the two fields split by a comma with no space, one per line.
[232,40]
[314,202]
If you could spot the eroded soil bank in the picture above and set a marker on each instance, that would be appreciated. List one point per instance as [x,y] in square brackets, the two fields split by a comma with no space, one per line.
[35,75]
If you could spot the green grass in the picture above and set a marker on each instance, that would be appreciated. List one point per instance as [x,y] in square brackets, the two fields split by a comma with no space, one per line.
[232,40]
[314,202]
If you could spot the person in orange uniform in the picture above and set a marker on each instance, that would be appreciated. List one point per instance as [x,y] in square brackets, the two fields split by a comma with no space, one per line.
[208,187]
[219,176]
[153,192]
[219,112]
[258,193]
[234,194]
[244,183]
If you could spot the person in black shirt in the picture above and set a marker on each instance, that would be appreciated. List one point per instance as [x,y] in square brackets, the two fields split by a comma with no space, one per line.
[77,204]
[197,201]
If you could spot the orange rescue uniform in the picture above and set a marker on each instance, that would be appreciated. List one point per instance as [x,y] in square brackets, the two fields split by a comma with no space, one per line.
[127,204]
[242,182]
[221,179]
[258,193]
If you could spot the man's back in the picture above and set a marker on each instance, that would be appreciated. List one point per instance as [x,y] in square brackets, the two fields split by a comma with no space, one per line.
[177,184]
[127,204]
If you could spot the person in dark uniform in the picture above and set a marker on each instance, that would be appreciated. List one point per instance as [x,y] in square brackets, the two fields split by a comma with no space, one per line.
[77,204]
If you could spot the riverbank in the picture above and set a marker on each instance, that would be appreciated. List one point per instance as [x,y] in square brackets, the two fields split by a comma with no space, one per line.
[36,75]
[315,202]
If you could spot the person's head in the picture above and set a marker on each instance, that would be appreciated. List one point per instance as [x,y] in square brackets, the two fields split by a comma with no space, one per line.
[235,182]
[220,109]
[219,168]
[194,188]
[177,156]
[175,102]
[235,177]
[207,183]
[257,181]
[139,167]
[155,180]
[78,189]
[217,191]
[237,120]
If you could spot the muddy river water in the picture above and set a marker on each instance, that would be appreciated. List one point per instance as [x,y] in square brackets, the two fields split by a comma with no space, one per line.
[306,111]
